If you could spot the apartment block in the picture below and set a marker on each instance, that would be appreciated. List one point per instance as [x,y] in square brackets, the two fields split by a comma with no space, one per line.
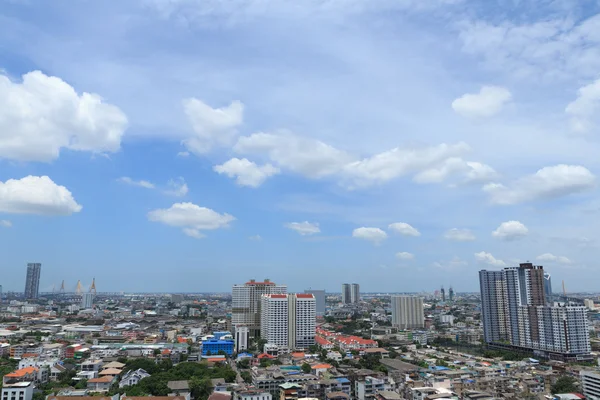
[289,321]
[407,312]
[246,302]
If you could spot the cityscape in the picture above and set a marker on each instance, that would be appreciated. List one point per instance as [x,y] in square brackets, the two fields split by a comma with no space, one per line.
[517,338]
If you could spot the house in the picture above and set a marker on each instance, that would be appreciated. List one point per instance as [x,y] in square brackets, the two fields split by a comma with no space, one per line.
[55,371]
[219,385]
[220,396]
[179,387]
[101,384]
[28,374]
[133,377]
[113,372]
[114,364]
[91,365]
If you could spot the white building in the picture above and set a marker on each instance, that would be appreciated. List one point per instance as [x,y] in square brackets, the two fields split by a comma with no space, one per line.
[590,384]
[407,312]
[589,303]
[133,377]
[242,334]
[246,302]
[252,395]
[289,321]
[17,391]
[87,300]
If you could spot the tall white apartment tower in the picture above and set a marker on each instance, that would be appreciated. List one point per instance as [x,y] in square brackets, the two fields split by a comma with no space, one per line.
[246,302]
[289,320]
[407,312]
[32,280]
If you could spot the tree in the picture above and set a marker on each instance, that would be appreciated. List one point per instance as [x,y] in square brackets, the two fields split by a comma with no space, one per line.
[82,384]
[306,368]
[243,363]
[246,376]
[564,384]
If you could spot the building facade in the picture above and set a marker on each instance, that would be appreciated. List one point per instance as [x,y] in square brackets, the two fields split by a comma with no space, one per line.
[319,300]
[87,300]
[242,334]
[407,312]
[32,280]
[517,310]
[350,293]
[590,384]
[246,302]
[289,320]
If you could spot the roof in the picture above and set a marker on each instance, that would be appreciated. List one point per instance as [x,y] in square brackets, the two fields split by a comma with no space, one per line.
[298,354]
[217,381]
[265,355]
[104,379]
[110,371]
[148,398]
[217,396]
[22,372]
[178,385]
[320,340]
[30,355]
[215,359]
[321,366]
[305,296]
[388,395]
[335,395]
[276,296]
[114,364]
[376,350]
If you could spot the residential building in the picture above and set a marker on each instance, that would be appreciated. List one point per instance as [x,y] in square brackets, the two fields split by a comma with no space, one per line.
[252,394]
[17,391]
[133,377]
[242,335]
[289,321]
[28,374]
[212,346]
[589,303]
[319,300]
[350,293]
[517,312]
[87,300]
[32,280]
[590,384]
[246,302]
[101,384]
[407,312]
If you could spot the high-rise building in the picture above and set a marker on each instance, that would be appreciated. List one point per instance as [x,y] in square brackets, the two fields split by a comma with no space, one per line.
[517,309]
[289,320]
[407,312]
[319,300]
[87,300]
[246,302]
[32,281]
[350,293]
[242,334]
[443,294]
[451,294]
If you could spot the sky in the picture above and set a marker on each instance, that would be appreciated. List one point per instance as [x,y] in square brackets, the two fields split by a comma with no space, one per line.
[189,145]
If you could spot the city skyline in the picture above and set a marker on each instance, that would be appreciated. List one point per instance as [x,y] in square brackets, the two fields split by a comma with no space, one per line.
[384,142]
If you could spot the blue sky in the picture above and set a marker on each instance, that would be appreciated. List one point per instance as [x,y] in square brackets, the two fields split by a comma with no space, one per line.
[188,145]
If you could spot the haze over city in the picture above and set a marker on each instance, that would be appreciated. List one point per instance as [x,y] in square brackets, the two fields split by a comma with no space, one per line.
[185,146]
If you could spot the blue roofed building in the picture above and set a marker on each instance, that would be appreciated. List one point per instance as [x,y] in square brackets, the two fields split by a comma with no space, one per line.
[212,346]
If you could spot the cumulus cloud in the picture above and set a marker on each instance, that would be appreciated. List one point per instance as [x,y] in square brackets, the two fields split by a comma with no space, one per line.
[549,257]
[374,235]
[177,187]
[403,255]
[404,229]
[5,223]
[487,258]
[304,228]
[488,102]
[546,183]
[449,265]
[586,107]
[191,218]
[510,230]
[471,172]
[36,195]
[141,183]
[212,126]
[245,172]
[42,115]
[459,235]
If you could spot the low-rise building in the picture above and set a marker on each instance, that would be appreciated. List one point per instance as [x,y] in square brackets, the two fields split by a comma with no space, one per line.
[17,391]
[133,377]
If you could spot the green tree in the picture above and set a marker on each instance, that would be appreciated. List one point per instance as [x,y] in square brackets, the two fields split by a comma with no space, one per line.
[564,384]
[306,368]
[246,376]
[243,363]
[82,384]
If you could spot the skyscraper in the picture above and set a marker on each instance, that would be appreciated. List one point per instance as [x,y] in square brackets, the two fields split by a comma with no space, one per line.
[407,312]
[517,309]
[443,294]
[289,320]
[32,280]
[350,293]
[87,300]
[246,302]
[319,300]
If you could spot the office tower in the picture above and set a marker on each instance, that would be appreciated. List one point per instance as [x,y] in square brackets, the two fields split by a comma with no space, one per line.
[350,293]
[289,320]
[443,294]
[407,312]
[319,299]
[242,334]
[87,300]
[517,313]
[32,281]
[246,302]
[451,294]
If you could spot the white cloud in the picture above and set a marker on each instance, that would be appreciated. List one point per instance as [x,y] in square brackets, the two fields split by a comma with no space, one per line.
[256,238]
[36,195]
[453,264]
[246,172]
[374,235]
[212,126]
[304,228]
[510,230]
[42,115]
[459,235]
[177,187]
[586,107]
[472,172]
[488,102]
[192,219]
[141,183]
[403,255]
[552,258]
[5,223]
[487,258]
[404,229]
[183,154]
[546,183]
